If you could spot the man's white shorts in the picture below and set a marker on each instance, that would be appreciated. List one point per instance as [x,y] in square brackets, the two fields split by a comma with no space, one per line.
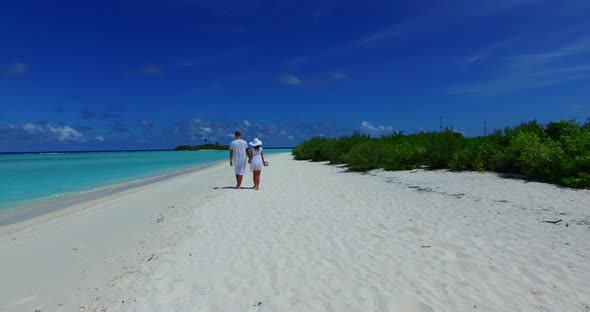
[240,168]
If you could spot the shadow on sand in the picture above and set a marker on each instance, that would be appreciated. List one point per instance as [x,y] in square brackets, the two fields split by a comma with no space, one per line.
[232,188]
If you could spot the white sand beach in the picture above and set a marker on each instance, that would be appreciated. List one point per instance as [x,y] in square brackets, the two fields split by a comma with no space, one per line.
[314,238]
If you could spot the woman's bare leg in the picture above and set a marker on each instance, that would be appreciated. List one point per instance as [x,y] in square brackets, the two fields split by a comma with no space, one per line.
[256,179]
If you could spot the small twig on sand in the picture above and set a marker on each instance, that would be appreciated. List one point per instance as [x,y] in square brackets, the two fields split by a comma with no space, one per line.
[553,222]
[152,257]
[425,246]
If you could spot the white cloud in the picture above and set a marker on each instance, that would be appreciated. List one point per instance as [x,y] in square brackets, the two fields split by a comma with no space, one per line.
[386,129]
[272,133]
[247,123]
[290,79]
[547,68]
[61,133]
[339,75]
[206,129]
[485,53]
[145,123]
[152,69]
[437,17]
[209,139]
[365,125]
[379,35]
[17,69]
[528,60]
[99,138]
[369,127]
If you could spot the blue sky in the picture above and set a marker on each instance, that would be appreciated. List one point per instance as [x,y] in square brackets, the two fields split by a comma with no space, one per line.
[147,74]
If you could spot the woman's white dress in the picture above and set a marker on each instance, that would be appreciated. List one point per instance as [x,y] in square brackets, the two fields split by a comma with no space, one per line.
[256,163]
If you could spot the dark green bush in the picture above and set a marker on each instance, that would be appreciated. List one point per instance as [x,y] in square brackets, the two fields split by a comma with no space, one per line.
[525,127]
[499,138]
[580,181]
[558,152]
[570,167]
[335,149]
[583,162]
[536,159]
[310,149]
[326,151]
[440,147]
[479,154]
[560,129]
[366,156]
[404,156]
[576,143]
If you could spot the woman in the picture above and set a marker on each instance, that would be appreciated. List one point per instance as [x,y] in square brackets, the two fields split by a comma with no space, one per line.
[257,161]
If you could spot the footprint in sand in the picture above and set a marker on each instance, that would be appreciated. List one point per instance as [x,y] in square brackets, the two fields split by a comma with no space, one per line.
[385,303]
[20,301]
[414,230]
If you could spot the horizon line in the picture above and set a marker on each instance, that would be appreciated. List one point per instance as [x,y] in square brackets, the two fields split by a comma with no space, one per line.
[109,151]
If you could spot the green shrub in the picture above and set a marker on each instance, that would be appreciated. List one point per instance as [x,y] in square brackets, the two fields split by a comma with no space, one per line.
[536,159]
[499,138]
[577,143]
[572,166]
[479,154]
[502,161]
[558,130]
[366,156]
[396,137]
[325,151]
[525,127]
[335,149]
[441,146]
[404,156]
[583,162]
[558,152]
[582,180]
[310,149]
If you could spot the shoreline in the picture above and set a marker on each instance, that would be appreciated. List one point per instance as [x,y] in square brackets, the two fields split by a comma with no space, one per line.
[62,260]
[23,209]
[314,238]
[47,206]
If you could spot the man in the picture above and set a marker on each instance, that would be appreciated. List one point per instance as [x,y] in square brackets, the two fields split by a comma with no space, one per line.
[238,151]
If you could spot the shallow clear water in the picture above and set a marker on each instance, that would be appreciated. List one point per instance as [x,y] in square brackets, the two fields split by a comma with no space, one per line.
[29,178]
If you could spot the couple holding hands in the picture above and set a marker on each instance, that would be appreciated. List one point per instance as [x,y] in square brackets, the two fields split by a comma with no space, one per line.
[238,152]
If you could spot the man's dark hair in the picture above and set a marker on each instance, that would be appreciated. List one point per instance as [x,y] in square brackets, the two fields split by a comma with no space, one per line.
[238,134]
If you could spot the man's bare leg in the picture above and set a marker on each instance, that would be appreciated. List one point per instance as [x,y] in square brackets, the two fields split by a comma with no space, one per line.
[239,181]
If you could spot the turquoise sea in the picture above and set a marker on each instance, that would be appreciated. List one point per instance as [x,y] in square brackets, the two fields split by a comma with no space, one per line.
[30,178]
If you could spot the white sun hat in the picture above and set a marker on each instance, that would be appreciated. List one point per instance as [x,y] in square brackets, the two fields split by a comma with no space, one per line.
[256,142]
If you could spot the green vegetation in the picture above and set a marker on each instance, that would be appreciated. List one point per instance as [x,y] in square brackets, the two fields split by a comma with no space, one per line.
[201,147]
[558,152]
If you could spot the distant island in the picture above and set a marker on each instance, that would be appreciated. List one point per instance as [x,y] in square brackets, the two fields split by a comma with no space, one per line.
[201,147]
